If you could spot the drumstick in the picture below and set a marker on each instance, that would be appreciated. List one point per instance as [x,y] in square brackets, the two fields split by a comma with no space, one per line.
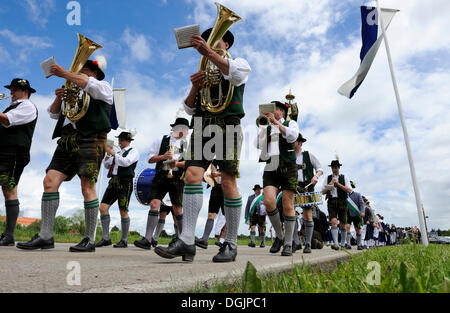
[308,186]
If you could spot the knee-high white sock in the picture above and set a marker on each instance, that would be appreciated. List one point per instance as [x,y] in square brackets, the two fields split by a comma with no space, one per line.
[192,204]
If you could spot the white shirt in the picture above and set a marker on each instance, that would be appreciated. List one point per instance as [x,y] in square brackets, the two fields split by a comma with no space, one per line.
[314,161]
[178,143]
[274,149]
[333,192]
[25,113]
[238,75]
[97,89]
[132,157]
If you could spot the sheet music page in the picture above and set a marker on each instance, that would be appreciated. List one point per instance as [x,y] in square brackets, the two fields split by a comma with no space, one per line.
[46,66]
[184,34]
[264,108]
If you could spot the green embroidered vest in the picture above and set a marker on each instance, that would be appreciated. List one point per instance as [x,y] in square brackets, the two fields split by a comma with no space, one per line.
[341,193]
[126,171]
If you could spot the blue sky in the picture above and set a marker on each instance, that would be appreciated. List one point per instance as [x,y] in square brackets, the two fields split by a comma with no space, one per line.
[309,46]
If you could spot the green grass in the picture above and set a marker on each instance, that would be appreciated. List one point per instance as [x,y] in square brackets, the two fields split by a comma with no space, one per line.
[408,268]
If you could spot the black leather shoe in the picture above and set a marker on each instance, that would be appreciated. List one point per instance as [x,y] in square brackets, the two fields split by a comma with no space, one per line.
[316,244]
[217,243]
[226,254]
[143,243]
[335,246]
[296,247]
[103,243]
[287,250]
[276,245]
[262,245]
[201,243]
[37,243]
[154,243]
[121,244]
[360,247]
[6,241]
[177,248]
[348,247]
[83,246]
[251,245]
[307,248]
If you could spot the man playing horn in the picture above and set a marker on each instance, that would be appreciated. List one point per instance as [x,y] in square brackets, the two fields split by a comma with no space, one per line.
[17,125]
[226,122]
[163,183]
[80,151]
[280,173]
[121,167]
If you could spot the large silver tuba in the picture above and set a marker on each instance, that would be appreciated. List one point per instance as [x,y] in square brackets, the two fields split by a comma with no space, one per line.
[72,108]
[213,81]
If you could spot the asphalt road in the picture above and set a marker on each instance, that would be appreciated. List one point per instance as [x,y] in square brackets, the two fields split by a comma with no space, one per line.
[135,270]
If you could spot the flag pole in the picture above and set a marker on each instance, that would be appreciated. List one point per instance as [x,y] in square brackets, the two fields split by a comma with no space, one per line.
[423,231]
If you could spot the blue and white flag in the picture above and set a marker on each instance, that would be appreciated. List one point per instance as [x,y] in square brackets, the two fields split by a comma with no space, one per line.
[372,36]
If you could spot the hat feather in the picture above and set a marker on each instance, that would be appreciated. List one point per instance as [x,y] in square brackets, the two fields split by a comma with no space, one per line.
[101,60]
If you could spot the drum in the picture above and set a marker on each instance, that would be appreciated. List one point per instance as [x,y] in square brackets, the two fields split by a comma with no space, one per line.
[143,185]
[308,199]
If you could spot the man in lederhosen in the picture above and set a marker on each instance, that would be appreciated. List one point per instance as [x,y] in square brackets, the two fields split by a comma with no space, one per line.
[280,173]
[307,163]
[369,220]
[225,124]
[257,217]
[121,167]
[163,183]
[80,151]
[337,187]
[355,217]
[17,125]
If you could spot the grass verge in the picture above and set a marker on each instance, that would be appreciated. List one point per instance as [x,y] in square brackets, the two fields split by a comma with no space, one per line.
[407,268]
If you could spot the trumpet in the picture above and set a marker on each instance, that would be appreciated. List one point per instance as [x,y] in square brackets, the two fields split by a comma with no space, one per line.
[262,119]
[3,96]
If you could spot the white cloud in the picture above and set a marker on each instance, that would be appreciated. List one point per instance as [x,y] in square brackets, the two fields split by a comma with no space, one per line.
[138,44]
[23,44]
[39,11]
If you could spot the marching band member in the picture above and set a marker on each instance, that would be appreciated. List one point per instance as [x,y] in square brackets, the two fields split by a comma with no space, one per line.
[80,151]
[353,218]
[121,168]
[258,217]
[235,71]
[336,187]
[169,148]
[17,125]
[277,144]
[369,220]
[307,163]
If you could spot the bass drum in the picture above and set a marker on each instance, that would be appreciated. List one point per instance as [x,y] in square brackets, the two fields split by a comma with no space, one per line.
[143,185]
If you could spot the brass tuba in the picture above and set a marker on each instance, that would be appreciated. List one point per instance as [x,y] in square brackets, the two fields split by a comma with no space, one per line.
[213,80]
[71,108]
